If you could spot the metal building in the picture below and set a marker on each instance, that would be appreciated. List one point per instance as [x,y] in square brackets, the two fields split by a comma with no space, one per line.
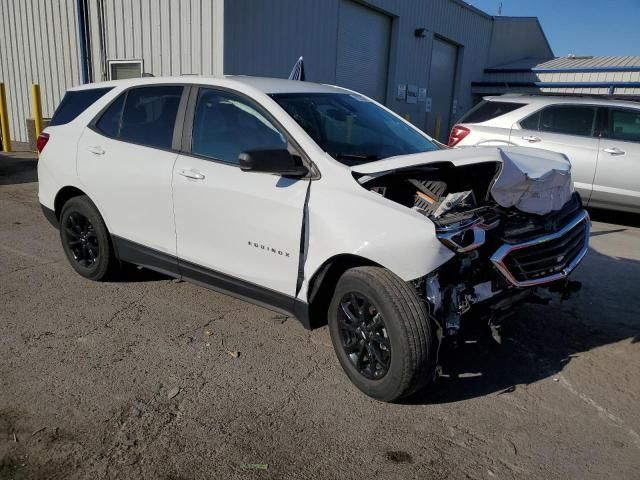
[574,75]
[419,57]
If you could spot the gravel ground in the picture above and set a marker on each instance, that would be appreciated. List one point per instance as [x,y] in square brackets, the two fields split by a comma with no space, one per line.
[134,379]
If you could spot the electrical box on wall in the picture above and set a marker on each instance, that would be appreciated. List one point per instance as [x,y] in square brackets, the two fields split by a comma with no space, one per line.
[412,94]
[427,105]
[402,92]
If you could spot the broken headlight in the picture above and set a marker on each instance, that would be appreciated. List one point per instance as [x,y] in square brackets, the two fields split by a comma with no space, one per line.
[463,239]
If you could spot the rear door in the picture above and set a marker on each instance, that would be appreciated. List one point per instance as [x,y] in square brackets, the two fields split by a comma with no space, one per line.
[125,159]
[617,180]
[567,129]
[237,231]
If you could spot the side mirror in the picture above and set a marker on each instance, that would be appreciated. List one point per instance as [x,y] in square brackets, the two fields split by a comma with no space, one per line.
[276,161]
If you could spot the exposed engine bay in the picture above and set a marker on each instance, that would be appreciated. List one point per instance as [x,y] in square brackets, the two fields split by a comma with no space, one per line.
[513,231]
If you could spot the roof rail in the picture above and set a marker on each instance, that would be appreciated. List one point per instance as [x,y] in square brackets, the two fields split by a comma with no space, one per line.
[629,98]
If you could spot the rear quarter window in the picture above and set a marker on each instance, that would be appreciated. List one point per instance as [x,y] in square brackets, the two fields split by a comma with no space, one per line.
[74,103]
[486,110]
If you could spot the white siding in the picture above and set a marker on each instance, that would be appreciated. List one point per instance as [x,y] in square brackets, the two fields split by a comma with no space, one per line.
[171,37]
[38,44]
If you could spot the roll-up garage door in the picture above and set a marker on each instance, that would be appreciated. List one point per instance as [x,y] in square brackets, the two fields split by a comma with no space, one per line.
[363,49]
[444,58]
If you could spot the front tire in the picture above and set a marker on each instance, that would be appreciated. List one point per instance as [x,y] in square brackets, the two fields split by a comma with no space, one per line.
[382,333]
[86,240]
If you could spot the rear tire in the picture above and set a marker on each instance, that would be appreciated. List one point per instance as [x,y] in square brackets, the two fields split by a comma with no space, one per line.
[382,333]
[86,240]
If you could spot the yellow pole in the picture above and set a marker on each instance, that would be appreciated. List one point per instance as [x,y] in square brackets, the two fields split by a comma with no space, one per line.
[437,133]
[37,108]
[4,121]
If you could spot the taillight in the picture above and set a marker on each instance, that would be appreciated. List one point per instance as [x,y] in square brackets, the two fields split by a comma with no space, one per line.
[43,138]
[458,132]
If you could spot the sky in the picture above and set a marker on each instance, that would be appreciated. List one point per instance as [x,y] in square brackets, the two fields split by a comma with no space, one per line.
[579,27]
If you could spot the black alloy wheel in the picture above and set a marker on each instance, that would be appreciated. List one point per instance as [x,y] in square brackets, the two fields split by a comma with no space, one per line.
[382,333]
[82,240]
[364,336]
[86,240]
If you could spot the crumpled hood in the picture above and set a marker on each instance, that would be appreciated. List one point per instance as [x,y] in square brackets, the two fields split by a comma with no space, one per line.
[532,180]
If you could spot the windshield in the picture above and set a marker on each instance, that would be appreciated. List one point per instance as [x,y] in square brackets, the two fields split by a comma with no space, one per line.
[352,129]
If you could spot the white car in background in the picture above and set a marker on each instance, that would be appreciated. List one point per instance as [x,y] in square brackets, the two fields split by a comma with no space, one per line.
[314,201]
[599,135]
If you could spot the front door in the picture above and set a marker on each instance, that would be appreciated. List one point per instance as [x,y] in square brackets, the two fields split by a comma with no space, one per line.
[617,181]
[567,129]
[239,230]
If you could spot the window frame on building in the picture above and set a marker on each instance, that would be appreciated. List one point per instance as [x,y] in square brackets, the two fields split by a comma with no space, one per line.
[121,61]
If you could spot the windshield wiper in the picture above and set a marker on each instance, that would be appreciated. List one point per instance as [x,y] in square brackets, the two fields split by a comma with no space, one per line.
[356,157]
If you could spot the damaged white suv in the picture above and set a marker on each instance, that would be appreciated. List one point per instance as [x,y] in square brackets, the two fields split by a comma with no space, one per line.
[314,201]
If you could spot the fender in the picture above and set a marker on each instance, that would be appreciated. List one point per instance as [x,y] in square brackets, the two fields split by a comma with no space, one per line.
[342,221]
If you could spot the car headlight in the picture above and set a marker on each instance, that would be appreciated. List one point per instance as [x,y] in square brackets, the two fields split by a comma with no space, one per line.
[463,240]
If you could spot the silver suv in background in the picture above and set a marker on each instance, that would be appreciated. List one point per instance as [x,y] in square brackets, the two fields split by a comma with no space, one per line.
[599,135]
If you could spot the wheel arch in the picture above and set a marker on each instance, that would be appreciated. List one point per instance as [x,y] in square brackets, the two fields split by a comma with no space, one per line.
[68,192]
[323,281]
[63,196]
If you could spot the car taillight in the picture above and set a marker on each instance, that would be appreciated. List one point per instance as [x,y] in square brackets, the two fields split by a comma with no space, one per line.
[43,138]
[457,133]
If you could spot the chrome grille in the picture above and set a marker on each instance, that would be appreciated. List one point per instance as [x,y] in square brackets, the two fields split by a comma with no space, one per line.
[546,258]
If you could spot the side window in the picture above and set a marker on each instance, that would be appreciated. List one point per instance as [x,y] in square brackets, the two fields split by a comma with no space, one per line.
[225,125]
[531,122]
[485,111]
[109,122]
[567,119]
[149,115]
[74,103]
[625,125]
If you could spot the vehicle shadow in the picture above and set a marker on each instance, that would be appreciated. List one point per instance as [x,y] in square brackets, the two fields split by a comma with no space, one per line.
[618,218]
[132,274]
[540,340]
[18,167]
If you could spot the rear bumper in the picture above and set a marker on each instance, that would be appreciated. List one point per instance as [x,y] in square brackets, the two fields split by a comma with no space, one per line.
[50,215]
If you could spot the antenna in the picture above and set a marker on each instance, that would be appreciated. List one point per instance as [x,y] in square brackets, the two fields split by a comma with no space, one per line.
[500,9]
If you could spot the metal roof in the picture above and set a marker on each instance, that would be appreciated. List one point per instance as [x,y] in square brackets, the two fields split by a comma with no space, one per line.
[571,64]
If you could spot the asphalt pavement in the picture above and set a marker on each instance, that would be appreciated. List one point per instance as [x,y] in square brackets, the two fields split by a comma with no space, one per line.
[149,378]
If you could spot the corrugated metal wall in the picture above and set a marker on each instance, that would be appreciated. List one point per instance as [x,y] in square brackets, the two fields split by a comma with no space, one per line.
[268,37]
[38,44]
[171,37]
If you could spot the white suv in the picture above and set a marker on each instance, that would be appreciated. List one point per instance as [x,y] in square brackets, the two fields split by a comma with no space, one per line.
[599,135]
[314,201]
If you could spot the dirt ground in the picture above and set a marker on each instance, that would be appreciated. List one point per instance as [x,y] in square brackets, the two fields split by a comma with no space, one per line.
[133,379]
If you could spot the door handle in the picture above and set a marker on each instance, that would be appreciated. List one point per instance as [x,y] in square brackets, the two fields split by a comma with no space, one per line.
[531,138]
[614,151]
[96,149]
[192,174]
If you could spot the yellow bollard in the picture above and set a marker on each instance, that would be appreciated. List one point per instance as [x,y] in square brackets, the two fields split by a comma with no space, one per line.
[37,108]
[407,117]
[436,135]
[4,121]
